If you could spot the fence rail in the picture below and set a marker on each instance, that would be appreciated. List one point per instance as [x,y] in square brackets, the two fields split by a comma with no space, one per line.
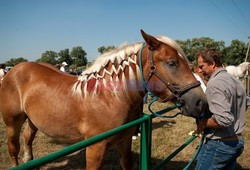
[145,149]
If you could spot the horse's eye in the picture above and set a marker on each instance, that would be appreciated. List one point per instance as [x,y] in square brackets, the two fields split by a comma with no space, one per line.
[172,63]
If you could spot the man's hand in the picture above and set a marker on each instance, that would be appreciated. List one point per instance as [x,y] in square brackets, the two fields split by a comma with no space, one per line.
[201,125]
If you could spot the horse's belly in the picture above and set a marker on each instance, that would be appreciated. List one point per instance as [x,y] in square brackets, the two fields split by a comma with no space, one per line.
[67,136]
[60,131]
[66,139]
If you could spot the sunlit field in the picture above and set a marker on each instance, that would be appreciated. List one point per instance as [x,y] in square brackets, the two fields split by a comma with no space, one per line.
[167,135]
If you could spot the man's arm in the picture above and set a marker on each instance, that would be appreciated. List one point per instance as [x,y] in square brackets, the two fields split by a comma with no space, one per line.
[207,123]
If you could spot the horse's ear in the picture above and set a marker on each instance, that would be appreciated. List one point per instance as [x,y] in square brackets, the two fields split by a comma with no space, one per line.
[150,40]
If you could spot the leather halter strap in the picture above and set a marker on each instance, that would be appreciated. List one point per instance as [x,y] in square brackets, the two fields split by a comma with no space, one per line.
[176,91]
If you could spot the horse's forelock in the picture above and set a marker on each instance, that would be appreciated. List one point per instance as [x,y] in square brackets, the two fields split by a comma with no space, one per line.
[173,44]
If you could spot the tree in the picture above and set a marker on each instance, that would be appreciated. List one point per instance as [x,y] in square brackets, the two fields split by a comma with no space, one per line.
[49,57]
[65,56]
[15,61]
[235,53]
[104,49]
[78,56]
[186,47]
[191,47]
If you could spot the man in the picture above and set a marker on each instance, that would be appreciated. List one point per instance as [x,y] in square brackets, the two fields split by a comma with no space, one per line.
[227,105]
[64,64]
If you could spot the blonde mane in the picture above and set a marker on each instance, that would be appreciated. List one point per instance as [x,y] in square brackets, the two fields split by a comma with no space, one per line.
[120,58]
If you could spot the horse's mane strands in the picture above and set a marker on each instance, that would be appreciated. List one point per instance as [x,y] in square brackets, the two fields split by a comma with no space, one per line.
[123,57]
[119,54]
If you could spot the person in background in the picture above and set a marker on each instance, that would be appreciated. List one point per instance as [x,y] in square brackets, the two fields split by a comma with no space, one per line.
[226,99]
[2,71]
[64,64]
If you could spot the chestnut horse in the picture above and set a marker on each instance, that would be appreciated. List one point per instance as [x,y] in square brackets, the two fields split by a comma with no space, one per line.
[108,94]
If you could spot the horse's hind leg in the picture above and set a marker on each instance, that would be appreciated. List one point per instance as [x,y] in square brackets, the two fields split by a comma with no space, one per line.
[13,128]
[28,135]
[124,150]
[95,155]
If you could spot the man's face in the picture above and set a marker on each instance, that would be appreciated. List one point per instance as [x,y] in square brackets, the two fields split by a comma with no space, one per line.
[204,68]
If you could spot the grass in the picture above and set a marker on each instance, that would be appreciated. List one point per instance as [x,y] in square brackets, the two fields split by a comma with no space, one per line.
[167,135]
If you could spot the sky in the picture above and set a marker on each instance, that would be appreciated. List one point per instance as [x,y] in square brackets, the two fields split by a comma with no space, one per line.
[29,28]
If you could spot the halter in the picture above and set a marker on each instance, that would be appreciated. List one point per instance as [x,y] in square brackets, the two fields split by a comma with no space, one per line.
[176,91]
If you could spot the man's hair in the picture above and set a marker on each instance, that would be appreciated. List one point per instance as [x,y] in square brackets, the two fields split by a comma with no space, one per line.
[209,55]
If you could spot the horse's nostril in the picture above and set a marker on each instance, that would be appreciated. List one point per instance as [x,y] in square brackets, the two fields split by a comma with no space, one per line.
[199,105]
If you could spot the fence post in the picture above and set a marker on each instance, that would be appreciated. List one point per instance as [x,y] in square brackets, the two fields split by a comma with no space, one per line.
[146,132]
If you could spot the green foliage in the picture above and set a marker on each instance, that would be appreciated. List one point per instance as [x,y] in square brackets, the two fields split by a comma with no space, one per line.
[65,56]
[231,55]
[104,49]
[191,47]
[235,53]
[15,61]
[49,57]
[78,56]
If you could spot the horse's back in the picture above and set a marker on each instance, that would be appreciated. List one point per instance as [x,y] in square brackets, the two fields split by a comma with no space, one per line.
[231,70]
[23,80]
[22,74]
[238,71]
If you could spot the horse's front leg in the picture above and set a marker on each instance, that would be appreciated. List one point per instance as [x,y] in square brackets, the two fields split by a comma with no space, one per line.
[124,150]
[95,155]
[28,135]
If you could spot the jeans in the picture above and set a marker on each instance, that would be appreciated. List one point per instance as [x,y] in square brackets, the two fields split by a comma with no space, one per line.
[217,154]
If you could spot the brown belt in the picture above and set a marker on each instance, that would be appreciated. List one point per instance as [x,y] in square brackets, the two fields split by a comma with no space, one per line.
[231,138]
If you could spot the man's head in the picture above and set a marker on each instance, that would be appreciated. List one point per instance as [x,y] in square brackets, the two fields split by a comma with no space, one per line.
[209,61]
[3,66]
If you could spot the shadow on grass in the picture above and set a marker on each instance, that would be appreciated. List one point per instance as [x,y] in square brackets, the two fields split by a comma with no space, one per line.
[77,161]
[163,123]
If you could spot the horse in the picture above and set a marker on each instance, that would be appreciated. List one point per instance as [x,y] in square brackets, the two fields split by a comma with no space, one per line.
[241,72]
[108,94]
[238,71]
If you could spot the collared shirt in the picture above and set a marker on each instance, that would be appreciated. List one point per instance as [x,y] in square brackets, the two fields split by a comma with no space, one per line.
[226,99]
[62,69]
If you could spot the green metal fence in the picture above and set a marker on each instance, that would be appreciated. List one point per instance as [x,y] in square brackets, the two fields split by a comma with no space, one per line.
[145,152]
